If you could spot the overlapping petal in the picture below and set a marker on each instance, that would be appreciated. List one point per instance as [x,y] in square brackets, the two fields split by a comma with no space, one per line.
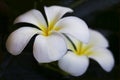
[74,64]
[18,39]
[34,17]
[95,49]
[50,48]
[75,27]
[103,56]
[97,39]
[50,45]
[54,13]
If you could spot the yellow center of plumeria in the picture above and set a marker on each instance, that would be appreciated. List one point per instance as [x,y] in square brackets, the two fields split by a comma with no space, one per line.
[46,31]
[82,49]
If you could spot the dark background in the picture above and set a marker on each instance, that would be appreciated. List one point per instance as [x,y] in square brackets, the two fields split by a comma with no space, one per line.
[101,15]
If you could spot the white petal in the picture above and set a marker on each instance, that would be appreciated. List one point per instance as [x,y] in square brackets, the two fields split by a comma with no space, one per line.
[34,17]
[49,48]
[75,27]
[97,39]
[18,39]
[74,64]
[104,57]
[54,13]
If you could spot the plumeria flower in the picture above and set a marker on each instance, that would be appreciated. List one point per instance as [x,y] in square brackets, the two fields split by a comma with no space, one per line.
[76,61]
[49,44]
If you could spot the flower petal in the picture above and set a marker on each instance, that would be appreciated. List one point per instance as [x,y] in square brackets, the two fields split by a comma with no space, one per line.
[74,64]
[49,48]
[104,57]
[54,13]
[18,39]
[97,39]
[75,27]
[34,17]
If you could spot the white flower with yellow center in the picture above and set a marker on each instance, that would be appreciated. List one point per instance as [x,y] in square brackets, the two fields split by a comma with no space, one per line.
[76,61]
[49,44]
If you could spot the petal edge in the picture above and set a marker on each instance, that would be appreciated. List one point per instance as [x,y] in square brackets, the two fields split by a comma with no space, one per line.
[50,48]
[34,17]
[75,27]
[104,57]
[74,64]
[54,13]
[18,39]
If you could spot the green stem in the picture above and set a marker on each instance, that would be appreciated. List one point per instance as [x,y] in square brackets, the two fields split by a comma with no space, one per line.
[76,3]
[55,69]
[36,3]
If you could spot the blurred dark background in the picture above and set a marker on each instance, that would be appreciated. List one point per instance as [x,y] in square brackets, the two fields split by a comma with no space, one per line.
[101,15]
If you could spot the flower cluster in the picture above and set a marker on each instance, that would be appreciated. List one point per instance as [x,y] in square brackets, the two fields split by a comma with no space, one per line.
[64,39]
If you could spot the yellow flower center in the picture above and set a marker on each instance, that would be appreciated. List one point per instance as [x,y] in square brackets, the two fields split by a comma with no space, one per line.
[48,30]
[82,49]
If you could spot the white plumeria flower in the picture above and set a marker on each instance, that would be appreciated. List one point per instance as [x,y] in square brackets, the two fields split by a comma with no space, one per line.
[76,61]
[50,44]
